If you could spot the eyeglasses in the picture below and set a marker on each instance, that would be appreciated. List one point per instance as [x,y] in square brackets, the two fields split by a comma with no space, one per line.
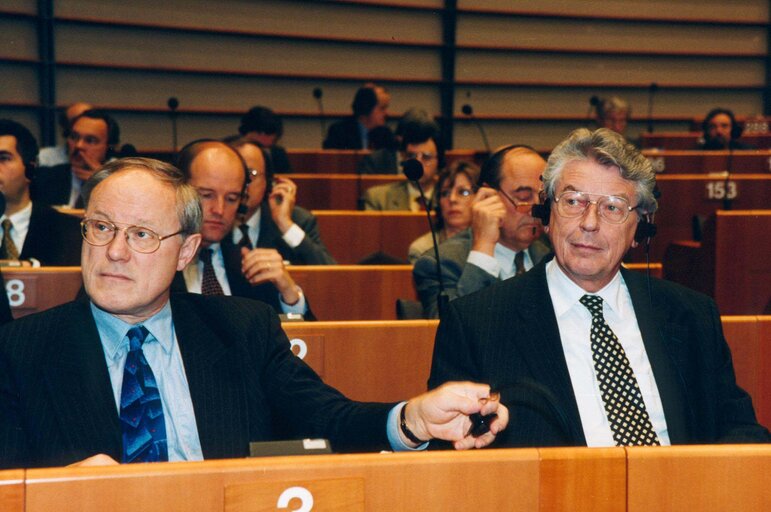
[612,209]
[254,173]
[101,232]
[463,192]
[423,156]
[521,207]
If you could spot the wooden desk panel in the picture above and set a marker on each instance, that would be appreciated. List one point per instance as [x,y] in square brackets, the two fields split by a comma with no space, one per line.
[749,338]
[699,478]
[31,290]
[737,162]
[346,161]
[336,191]
[486,480]
[355,292]
[686,195]
[368,361]
[351,236]
[12,490]
[690,140]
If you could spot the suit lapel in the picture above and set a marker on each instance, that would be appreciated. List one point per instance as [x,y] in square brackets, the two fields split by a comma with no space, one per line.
[35,242]
[216,386]
[78,381]
[661,338]
[541,346]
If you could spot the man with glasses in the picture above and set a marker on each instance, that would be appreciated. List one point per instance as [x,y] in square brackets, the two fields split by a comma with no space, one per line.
[421,143]
[134,373]
[584,352]
[92,139]
[502,241]
[271,220]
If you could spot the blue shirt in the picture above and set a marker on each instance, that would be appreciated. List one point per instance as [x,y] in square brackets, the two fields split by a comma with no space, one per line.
[162,353]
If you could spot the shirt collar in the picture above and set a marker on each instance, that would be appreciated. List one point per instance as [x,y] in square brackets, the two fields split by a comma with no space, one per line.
[113,330]
[20,219]
[565,293]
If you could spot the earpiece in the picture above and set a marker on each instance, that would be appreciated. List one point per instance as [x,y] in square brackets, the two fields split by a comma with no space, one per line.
[646,230]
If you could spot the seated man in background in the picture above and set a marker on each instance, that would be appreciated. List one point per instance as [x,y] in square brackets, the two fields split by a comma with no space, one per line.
[219,174]
[613,113]
[263,126]
[370,110]
[271,220]
[32,232]
[93,139]
[721,131]
[133,373]
[56,155]
[457,186]
[388,160]
[584,352]
[503,239]
[421,142]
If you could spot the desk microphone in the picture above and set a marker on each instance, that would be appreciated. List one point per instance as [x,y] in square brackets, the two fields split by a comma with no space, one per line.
[173,104]
[468,111]
[413,170]
[651,93]
[318,93]
[594,103]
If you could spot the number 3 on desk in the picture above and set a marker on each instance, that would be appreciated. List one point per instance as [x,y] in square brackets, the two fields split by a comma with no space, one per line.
[301,493]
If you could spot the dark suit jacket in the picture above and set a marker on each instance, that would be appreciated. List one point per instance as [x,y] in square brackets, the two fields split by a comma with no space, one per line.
[343,134]
[57,405]
[311,250]
[458,277]
[280,160]
[52,238]
[239,286]
[52,185]
[508,333]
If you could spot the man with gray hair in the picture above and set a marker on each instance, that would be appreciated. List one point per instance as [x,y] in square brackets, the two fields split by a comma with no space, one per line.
[134,373]
[584,352]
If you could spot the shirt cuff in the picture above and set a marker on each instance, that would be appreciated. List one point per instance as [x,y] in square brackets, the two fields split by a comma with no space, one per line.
[294,236]
[485,262]
[392,430]
[299,308]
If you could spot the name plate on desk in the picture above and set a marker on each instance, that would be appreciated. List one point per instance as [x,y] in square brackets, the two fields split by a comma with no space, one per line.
[300,496]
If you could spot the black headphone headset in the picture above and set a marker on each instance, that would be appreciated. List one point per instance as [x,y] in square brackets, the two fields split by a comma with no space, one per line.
[188,153]
[736,129]
[29,170]
[646,229]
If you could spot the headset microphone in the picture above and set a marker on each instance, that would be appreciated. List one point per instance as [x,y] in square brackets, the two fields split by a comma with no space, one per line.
[413,170]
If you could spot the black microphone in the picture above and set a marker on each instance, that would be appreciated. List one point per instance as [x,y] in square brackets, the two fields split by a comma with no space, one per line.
[594,102]
[651,93]
[128,150]
[468,111]
[413,170]
[173,104]
[318,93]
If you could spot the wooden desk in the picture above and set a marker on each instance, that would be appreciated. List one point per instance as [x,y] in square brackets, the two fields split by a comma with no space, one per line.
[686,195]
[31,290]
[12,490]
[336,191]
[346,160]
[682,161]
[355,292]
[377,361]
[690,140]
[732,264]
[522,480]
[702,478]
[351,236]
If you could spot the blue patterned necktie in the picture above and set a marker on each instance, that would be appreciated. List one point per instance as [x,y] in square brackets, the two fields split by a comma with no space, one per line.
[141,410]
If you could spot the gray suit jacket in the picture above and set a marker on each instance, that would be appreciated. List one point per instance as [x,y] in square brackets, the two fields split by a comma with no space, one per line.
[459,278]
[391,196]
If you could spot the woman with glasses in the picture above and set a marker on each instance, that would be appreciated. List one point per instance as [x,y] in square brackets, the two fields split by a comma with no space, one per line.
[453,214]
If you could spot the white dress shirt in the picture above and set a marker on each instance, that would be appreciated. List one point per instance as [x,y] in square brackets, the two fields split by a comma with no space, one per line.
[193,274]
[293,236]
[502,264]
[574,322]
